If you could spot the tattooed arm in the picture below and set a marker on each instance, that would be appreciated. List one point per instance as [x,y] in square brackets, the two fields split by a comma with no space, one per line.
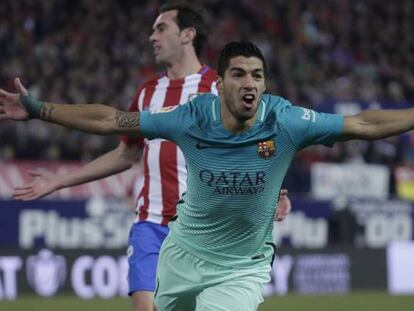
[94,118]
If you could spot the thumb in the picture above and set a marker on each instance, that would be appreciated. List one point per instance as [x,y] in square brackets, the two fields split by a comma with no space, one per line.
[35,173]
[19,87]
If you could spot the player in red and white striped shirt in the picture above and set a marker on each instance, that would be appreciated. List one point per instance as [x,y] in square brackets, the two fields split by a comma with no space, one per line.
[178,36]
[164,177]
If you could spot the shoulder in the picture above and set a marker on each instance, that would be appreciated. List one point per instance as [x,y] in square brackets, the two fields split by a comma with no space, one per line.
[147,84]
[284,112]
[208,73]
[276,104]
[151,83]
[205,98]
[201,107]
[206,80]
[202,101]
[148,87]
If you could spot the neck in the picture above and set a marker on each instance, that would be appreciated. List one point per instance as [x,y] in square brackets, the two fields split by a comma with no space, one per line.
[232,123]
[187,65]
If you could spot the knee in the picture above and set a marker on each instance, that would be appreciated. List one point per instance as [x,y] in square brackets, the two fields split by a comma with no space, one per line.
[138,306]
[143,301]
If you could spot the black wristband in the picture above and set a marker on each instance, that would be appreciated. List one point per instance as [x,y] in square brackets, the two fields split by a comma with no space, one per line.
[32,105]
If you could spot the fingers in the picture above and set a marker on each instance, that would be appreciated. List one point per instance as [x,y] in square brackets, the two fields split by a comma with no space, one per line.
[3,115]
[5,94]
[280,216]
[283,192]
[19,87]
[24,195]
[36,173]
[27,197]
[22,188]
[27,193]
[284,207]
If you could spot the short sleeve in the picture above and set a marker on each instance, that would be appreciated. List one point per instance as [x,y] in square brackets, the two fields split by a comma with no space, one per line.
[307,127]
[168,122]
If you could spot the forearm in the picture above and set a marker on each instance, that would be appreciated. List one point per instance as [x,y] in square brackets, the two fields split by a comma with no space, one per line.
[377,124]
[91,118]
[113,162]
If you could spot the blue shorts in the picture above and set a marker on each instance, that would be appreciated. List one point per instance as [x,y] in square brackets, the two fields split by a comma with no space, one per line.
[145,239]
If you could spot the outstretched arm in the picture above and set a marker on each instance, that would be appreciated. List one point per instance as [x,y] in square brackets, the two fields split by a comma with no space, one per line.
[377,124]
[44,182]
[91,118]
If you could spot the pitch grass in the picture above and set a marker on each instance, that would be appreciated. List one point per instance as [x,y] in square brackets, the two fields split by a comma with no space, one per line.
[357,301]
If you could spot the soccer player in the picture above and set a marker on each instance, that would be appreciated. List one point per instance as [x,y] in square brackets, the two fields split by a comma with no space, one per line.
[238,147]
[179,33]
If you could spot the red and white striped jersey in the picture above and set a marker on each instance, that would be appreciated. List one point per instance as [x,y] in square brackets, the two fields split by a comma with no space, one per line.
[164,178]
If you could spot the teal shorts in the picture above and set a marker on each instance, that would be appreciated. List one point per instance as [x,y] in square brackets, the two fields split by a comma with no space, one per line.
[188,283]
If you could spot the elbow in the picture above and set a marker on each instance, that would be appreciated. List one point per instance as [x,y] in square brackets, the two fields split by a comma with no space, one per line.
[127,161]
[127,155]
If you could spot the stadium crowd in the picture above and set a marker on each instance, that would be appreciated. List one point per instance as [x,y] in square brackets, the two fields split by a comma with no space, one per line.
[318,52]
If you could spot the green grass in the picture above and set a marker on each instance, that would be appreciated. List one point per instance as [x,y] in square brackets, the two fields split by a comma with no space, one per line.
[359,301]
[66,303]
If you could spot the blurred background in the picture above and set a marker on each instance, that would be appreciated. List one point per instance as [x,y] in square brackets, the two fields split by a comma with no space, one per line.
[351,227]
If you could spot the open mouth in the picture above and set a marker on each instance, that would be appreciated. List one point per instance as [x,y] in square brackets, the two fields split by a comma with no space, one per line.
[156,49]
[248,100]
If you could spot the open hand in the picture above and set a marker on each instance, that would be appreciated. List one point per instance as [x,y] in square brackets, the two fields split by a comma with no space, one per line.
[44,183]
[11,107]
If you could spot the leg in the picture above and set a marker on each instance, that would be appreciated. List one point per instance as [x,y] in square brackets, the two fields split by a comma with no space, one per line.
[177,279]
[145,240]
[143,301]
[188,283]
[241,293]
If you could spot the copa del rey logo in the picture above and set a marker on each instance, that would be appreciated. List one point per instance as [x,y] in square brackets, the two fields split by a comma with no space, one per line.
[266,149]
[46,272]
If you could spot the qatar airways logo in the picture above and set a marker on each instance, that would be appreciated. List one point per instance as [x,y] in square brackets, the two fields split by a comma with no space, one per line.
[234,183]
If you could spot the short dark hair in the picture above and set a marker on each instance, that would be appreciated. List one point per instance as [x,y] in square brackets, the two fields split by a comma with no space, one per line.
[234,49]
[189,16]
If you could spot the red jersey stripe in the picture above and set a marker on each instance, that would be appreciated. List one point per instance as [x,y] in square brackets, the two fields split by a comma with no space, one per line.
[149,92]
[144,204]
[169,173]
[206,81]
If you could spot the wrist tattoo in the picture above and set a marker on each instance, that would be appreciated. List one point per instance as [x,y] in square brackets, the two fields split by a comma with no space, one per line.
[46,113]
[127,119]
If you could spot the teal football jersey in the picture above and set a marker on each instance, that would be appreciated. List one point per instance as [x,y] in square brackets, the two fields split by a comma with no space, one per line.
[233,181]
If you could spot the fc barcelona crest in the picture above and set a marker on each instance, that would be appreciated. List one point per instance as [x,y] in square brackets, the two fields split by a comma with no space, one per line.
[266,149]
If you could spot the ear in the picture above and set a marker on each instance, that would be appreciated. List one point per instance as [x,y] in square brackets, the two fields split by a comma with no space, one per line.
[188,35]
[219,84]
[264,87]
